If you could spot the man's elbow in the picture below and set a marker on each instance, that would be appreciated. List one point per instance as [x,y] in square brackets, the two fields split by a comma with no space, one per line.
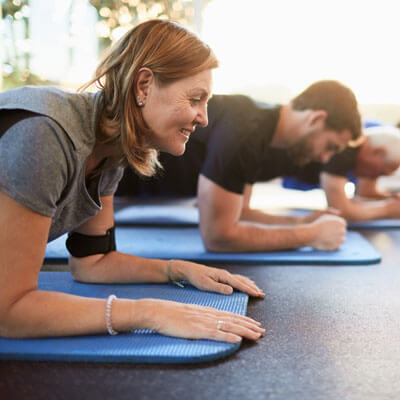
[218,241]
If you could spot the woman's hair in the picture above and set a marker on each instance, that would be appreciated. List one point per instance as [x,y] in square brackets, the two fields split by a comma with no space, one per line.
[337,100]
[171,52]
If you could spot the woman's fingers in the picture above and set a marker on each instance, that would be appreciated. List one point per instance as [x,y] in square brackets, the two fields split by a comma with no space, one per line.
[198,322]
[220,281]
[230,328]
[248,286]
[248,332]
[218,315]
[214,314]
[241,283]
[218,287]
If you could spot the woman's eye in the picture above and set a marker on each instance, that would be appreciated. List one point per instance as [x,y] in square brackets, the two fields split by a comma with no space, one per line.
[195,101]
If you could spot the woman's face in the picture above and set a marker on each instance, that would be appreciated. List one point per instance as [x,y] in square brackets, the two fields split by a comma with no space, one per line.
[173,111]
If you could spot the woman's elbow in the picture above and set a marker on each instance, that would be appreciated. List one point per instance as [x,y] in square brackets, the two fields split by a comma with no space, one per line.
[8,328]
[80,270]
[87,269]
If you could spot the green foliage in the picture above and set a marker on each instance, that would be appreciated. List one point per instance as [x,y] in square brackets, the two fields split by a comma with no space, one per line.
[21,78]
[118,16]
[115,17]
[12,7]
[17,73]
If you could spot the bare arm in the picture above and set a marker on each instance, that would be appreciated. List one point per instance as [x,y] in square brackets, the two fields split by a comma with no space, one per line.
[258,216]
[253,215]
[113,267]
[368,188]
[26,311]
[119,267]
[223,229]
[356,210]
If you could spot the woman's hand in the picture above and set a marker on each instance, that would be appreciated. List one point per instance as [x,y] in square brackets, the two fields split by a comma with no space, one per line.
[212,279]
[197,322]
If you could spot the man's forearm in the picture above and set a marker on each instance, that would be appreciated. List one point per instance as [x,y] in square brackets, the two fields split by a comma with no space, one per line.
[248,236]
[368,188]
[261,217]
[358,210]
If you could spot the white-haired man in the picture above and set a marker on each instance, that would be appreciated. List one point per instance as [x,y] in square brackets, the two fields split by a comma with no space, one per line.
[378,155]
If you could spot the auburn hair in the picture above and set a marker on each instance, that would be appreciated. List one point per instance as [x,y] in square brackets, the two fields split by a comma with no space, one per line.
[171,52]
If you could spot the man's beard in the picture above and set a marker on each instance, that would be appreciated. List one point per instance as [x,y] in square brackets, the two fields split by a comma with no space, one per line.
[300,152]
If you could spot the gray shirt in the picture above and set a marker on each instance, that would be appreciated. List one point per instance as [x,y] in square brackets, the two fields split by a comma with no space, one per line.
[43,158]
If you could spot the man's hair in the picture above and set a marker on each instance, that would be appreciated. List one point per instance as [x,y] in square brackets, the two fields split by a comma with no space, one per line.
[388,137]
[171,52]
[337,100]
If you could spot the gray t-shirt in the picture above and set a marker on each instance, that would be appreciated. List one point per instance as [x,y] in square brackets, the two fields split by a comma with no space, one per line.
[43,158]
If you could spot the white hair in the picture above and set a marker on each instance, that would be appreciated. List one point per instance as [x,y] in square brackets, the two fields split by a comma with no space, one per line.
[388,137]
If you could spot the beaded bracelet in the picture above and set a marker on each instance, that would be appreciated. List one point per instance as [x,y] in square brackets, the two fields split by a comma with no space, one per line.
[110,329]
[169,276]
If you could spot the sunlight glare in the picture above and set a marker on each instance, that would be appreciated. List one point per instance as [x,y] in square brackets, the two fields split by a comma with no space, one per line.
[286,45]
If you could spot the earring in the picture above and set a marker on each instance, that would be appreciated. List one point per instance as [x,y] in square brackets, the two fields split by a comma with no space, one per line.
[139,102]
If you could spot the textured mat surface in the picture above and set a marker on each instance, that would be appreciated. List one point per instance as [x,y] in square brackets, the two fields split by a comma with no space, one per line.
[185,243]
[142,346]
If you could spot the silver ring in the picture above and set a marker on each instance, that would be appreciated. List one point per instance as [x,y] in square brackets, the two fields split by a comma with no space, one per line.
[219,325]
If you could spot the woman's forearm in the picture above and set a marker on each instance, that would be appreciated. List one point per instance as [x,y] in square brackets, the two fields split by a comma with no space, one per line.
[49,314]
[117,267]
[43,313]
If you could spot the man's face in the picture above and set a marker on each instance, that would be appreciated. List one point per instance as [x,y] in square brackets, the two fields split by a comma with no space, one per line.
[319,145]
[371,162]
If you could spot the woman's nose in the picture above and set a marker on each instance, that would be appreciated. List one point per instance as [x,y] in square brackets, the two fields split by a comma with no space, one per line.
[202,117]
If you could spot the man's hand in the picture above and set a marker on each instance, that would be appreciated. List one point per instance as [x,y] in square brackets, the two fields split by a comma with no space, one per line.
[330,232]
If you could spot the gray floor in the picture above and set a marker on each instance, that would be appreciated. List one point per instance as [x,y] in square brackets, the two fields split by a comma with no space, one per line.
[332,333]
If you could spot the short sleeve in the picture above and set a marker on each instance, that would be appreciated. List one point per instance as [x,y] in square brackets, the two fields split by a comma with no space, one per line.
[33,165]
[109,181]
[233,153]
[229,164]
[342,163]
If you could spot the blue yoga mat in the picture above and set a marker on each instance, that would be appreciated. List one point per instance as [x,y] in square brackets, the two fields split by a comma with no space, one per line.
[169,215]
[376,224]
[158,215]
[373,224]
[185,243]
[142,346]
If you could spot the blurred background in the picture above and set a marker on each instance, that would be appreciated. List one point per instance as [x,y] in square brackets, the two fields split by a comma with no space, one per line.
[268,49]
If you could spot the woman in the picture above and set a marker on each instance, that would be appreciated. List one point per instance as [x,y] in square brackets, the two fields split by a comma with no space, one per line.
[60,162]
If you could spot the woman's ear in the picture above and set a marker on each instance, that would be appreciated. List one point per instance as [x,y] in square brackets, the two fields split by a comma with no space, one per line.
[144,81]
